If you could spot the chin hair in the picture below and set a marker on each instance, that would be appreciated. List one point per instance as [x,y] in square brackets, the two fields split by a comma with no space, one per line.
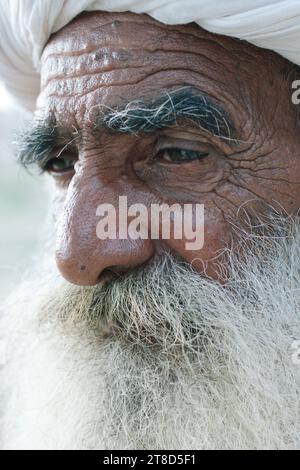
[161,358]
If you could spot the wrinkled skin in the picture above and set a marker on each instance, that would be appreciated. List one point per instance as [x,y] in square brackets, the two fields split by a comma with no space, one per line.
[111,59]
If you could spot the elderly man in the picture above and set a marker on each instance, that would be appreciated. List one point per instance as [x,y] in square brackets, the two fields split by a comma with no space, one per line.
[150,342]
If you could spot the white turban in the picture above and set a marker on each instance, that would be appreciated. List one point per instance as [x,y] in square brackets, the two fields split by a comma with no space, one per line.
[26,25]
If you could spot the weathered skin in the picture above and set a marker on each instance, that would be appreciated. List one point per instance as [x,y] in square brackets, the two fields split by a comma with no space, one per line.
[110,59]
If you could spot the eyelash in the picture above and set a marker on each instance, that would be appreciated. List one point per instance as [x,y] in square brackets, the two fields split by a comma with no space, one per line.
[68,159]
[172,155]
[180,155]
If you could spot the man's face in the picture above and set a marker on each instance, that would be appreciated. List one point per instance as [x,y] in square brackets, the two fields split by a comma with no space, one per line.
[234,142]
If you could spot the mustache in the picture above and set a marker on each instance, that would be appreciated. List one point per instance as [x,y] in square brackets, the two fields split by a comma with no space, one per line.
[151,305]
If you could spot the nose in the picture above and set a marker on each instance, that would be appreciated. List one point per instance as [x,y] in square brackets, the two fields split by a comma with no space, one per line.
[81,256]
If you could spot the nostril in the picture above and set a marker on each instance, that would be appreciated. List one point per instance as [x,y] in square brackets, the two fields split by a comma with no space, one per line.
[118,270]
[111,274]
[107,275]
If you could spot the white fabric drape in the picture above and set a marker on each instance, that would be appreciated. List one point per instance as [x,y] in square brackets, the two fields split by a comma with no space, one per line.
[26,25]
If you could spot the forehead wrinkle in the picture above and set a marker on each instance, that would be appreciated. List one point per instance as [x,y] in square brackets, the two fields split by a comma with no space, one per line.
[67,75]
[73,43]
[110,33]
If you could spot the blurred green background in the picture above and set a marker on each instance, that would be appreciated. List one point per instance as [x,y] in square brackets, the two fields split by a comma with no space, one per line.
[23,202]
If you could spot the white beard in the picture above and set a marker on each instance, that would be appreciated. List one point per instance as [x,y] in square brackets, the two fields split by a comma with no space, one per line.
[163,359]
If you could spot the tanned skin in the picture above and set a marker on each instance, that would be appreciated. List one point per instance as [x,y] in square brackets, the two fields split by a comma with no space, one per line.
[101,62]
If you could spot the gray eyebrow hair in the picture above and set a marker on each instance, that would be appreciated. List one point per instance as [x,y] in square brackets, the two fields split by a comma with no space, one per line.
[38,140]
[35,142]
[186,104]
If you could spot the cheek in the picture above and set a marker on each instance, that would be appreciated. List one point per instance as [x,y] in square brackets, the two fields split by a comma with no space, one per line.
[216,235]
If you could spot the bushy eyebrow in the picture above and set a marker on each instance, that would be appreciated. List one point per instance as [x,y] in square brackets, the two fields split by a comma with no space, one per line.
[185,104]
[38,141]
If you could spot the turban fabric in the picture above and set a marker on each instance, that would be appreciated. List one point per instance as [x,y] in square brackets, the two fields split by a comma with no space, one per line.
[26,25]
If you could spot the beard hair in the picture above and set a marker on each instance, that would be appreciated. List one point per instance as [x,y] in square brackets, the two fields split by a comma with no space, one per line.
[161,358]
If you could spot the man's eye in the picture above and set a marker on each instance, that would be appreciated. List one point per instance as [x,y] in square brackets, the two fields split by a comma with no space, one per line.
[60,165]
[177,155]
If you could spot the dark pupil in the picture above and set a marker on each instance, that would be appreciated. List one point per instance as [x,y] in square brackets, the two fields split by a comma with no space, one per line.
[186,155]
[60,164]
